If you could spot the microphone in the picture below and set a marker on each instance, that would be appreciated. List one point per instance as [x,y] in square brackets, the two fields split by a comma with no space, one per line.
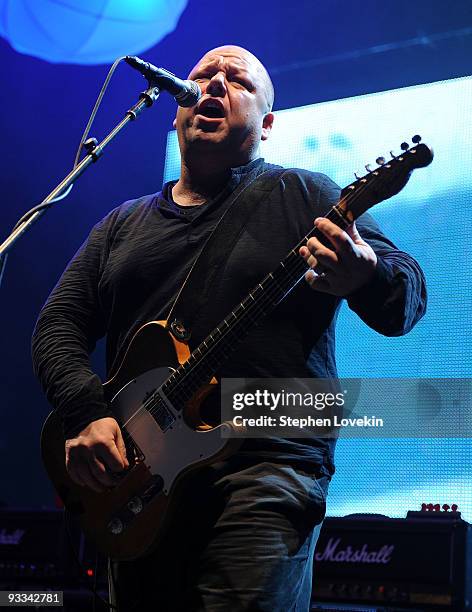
[186,93]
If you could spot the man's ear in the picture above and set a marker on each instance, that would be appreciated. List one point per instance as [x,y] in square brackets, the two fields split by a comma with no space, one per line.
[174,123]
[267,123]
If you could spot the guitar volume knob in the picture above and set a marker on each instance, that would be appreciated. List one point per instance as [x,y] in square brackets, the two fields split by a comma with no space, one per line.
[115,526]
[135,505]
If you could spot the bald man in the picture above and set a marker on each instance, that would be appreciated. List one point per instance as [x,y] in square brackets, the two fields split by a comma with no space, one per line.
[243,536]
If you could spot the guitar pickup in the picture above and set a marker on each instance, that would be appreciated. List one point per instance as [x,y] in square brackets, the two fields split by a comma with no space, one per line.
[161,413]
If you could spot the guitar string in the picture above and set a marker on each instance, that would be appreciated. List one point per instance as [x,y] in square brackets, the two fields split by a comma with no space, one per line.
[293,269]
[291,264]
[180,397]
[256,303]
[150,405]
[259,304]
[265,301]
[271,296]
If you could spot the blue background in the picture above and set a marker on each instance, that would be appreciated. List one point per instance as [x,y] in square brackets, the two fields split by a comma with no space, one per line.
[316,53]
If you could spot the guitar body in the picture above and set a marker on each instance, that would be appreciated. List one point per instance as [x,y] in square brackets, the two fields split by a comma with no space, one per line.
[163,445]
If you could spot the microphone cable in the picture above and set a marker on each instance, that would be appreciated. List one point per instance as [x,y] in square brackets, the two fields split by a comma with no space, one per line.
[63,195]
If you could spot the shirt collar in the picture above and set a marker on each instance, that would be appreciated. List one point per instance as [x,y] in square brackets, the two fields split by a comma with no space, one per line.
[165,201]
[254,163]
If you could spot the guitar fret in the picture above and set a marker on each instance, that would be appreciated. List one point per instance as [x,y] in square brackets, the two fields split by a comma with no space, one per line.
[235,311]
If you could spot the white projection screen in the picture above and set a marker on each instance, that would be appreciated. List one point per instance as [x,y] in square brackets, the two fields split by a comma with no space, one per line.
[430,219]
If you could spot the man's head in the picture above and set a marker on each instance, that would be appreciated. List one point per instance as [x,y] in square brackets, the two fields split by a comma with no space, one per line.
[234,112]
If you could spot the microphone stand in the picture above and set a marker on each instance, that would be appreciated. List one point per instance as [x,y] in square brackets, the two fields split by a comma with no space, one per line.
[95,151]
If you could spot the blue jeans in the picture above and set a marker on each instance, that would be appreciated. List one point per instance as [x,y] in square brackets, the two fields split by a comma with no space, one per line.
[242,540]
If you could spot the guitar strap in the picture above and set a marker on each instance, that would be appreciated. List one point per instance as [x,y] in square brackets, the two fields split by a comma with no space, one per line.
[196,288]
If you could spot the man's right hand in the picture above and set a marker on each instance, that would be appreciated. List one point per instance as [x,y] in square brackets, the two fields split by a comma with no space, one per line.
[95,454]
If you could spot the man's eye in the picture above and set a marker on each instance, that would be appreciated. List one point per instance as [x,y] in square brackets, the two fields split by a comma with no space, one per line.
[242,82]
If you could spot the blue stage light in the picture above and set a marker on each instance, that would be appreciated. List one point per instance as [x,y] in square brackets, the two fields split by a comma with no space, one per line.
[86,32]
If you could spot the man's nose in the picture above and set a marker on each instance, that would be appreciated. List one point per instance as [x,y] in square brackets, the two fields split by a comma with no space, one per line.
[216,85]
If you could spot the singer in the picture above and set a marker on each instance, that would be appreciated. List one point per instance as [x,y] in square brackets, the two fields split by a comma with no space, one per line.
[243,536]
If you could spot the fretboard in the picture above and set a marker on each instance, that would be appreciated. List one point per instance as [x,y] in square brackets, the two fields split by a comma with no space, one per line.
[218,346]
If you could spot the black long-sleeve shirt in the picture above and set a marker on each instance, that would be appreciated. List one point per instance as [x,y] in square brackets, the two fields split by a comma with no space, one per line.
[134,261]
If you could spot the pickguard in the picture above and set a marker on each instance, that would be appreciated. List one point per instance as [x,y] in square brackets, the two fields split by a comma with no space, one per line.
[168,449]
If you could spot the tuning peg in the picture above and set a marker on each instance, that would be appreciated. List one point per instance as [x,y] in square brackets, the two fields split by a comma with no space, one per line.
[368,168]
[404,146]
[380,161]
[392,154]
[416,139]
[357,176]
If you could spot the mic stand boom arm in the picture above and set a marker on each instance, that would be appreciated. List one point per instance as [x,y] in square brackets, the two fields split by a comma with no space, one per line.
[95,151]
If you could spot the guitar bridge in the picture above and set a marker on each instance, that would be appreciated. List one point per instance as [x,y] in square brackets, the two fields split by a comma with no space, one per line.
[133,453]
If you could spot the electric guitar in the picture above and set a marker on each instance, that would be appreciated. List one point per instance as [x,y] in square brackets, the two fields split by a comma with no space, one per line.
[158,391]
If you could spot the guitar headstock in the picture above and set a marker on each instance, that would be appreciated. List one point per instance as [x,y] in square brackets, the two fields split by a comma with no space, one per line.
[385,181]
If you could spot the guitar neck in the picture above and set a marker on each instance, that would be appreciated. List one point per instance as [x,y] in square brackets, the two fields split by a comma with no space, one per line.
[377,185]
[218,346]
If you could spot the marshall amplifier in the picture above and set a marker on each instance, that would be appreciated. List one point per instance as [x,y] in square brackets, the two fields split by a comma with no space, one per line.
[36,548]
[420,563]
[32,546]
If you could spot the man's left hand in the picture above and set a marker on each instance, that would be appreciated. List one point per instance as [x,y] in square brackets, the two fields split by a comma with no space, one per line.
[345,267]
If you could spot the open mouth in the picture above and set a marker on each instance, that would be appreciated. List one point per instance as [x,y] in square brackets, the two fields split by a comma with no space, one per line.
[211,109]
[211,112]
